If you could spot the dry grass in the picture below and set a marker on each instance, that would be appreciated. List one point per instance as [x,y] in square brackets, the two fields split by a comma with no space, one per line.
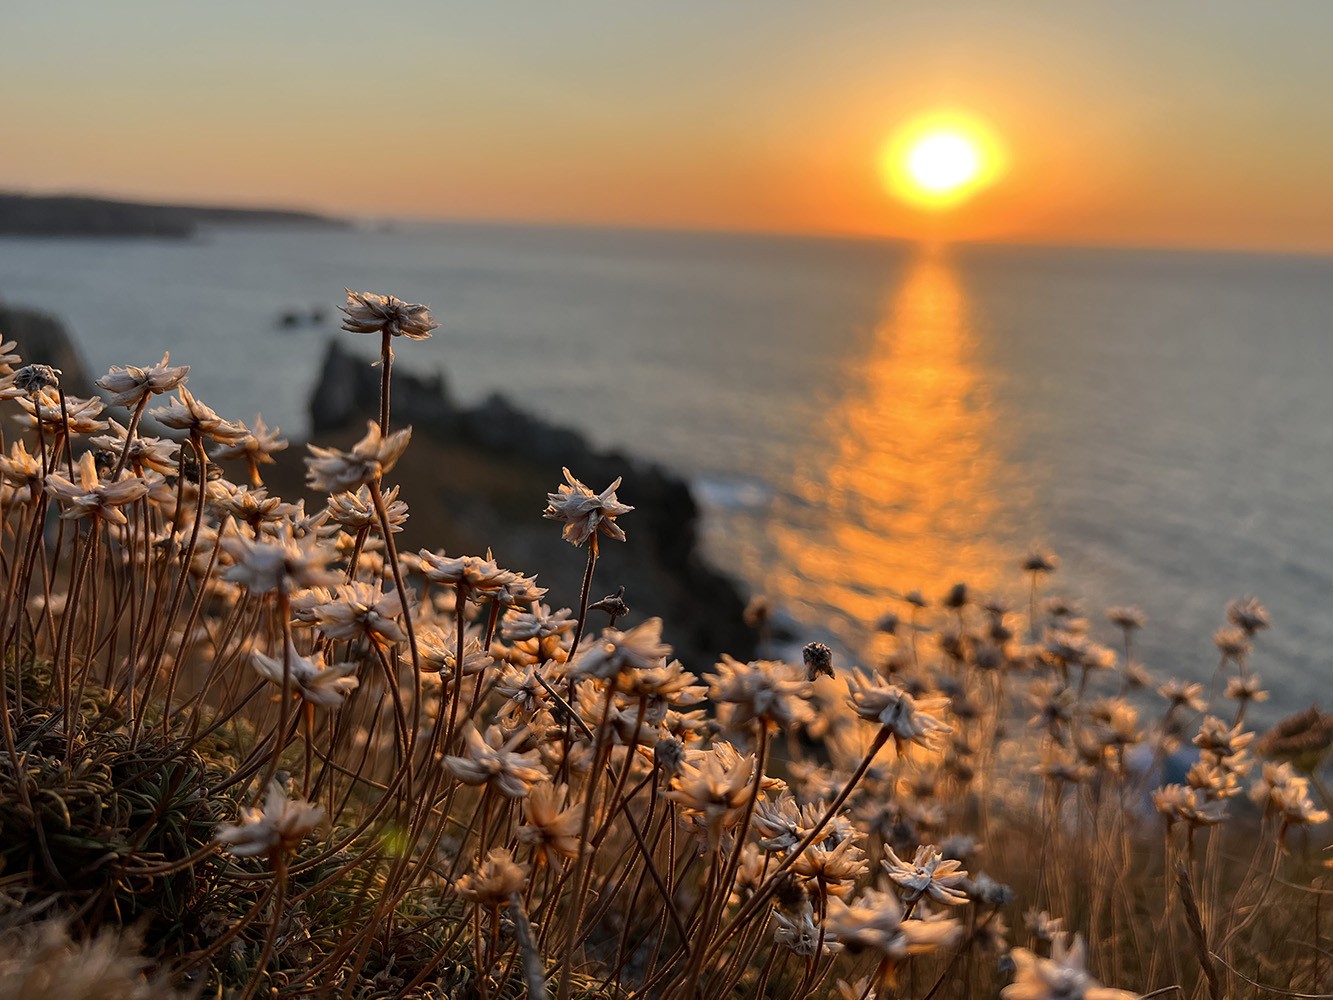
[248,747]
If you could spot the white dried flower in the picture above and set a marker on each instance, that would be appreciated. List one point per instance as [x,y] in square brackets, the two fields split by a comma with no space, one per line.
[308,677]
[332,471]
[277,828]
[493,760]
[910,720]
[1063,976]
[90,497]
[928,874]
[185,413]
[619,655]
[494,881]
[584,512]
[281,564]
[130,386]
[770,691]
[366,312]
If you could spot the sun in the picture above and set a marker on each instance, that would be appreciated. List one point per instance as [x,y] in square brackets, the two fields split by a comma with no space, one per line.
[939,160]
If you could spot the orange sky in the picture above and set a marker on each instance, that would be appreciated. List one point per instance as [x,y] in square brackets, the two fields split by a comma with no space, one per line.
[1199,123]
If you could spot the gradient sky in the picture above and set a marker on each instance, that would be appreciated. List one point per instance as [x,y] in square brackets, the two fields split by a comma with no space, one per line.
[1201,123]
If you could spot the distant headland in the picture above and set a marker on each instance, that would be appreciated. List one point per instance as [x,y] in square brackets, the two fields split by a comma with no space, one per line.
[79,215]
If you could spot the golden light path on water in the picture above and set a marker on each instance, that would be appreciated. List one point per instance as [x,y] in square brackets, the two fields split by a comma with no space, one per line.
[903,493]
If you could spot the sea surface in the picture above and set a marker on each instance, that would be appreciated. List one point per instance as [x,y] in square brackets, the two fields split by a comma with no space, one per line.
[859,419]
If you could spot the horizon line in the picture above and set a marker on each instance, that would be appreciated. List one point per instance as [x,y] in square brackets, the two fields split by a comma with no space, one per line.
[644,226]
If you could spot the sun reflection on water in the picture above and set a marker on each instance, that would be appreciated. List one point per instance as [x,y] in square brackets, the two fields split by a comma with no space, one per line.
[902,494]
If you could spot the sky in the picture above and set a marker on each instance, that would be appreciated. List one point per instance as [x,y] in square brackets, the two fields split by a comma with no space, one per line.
[1168,123]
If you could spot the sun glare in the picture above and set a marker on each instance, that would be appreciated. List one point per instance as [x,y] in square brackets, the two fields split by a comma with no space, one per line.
[940,160]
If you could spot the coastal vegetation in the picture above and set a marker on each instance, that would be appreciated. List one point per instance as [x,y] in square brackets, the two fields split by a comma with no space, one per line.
[251,745]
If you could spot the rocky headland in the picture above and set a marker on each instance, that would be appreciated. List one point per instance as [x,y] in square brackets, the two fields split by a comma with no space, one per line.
[78,215]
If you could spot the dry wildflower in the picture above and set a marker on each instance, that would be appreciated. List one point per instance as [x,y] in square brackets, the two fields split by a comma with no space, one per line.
[438,649]
[366,312]
[584,512]
[493,760]
[1040,561]
[1182,695]
[798,932]
[130,386]
[518,591]
[8,357]
[249,506]
[280,565]
[358,609]
[32,379]
[90,497]
[1217,738]
[874,922]
[833,870]
[1127,618]
[779,823]
[769,691]
[1042,926]
[818,659]
[476,576]
[494,881]
[185,413]
[612,604]
[23,469]
[668,684]
[986,891]
[81,416]
[928,874]
[1179,804]
[1117,723]
[156,454]
[1232,643]
[1245,689]
[1069,647]
[332,471]
[1212,780]
[256,447]
[276,828]
[1063,976]
[355,511]
[1248,615]
[1064,610]
[1294,807]
[668,754]
[910,720]
[1303,738]
[714,785]
[310,679]
[619,655]
[551,832]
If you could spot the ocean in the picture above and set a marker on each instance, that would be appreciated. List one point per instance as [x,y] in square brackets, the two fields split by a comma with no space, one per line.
[858,419]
